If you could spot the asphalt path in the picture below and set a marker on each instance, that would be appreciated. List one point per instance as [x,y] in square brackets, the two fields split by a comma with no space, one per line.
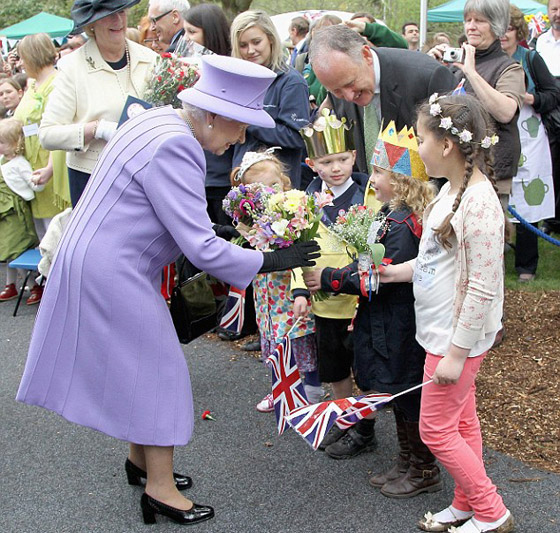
[57,477]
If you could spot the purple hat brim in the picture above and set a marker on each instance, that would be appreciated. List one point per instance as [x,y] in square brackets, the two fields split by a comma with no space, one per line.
[246,115]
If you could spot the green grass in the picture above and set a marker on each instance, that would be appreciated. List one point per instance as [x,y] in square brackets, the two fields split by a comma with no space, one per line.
[548,270]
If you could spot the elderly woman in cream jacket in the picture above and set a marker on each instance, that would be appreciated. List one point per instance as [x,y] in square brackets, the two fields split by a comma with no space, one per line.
[92,87]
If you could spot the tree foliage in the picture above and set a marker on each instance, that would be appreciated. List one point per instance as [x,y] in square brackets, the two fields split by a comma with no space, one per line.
[14,11]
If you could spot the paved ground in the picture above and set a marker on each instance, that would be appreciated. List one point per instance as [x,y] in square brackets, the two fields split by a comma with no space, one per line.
[58,477]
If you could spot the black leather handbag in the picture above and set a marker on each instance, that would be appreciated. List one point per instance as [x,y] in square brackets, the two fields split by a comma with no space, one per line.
[194,308]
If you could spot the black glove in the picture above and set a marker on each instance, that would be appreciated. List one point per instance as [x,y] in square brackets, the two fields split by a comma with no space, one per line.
[300,254]
[225,232]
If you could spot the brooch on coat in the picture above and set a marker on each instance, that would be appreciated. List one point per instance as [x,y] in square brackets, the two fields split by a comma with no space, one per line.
[90,62]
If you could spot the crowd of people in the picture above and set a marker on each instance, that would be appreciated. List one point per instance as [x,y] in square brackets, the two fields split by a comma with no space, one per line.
[475,124]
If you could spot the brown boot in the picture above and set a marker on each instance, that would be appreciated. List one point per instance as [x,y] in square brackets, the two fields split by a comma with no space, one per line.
[401,466]
[423,474]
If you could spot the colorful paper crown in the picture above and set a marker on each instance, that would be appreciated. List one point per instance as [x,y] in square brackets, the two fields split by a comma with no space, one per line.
[398,152]
[327,135]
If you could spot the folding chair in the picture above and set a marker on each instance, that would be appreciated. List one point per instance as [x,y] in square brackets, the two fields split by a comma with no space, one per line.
[29,261]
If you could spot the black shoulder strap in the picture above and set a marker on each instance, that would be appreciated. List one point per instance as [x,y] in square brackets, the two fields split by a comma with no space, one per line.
[530,54]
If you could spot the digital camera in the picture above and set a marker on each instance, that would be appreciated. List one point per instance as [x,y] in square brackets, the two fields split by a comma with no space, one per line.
[454,55]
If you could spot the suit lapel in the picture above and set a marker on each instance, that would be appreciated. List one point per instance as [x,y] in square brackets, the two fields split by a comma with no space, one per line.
[390,96]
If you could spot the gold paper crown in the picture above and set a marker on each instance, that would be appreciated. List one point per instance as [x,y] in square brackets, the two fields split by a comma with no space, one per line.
[398,152]
[327,135]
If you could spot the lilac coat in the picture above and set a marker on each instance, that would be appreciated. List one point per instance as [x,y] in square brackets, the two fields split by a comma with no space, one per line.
[104,352]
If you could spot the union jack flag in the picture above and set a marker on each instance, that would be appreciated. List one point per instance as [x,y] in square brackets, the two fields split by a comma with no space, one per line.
[234,312]
[287,389]
[313,422]
[364,406]
[536,24]
[460,89]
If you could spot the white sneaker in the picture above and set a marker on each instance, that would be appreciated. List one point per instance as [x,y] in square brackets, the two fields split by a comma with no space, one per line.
[314,393]
[266,405]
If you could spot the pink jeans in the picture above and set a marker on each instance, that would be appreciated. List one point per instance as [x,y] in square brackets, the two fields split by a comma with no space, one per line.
[449,426]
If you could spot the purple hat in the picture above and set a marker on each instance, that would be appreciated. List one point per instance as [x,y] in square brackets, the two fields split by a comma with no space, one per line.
[232,88]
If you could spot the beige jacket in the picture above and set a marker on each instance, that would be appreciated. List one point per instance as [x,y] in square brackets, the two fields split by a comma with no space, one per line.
[87,89]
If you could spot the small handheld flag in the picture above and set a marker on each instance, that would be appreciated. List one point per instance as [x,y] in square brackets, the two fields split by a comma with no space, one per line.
[287,388]
[234,312]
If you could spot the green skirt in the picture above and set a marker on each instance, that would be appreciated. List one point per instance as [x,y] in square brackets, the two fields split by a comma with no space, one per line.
[16,224]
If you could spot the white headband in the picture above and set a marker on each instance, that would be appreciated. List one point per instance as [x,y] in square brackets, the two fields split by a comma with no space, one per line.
[252,158]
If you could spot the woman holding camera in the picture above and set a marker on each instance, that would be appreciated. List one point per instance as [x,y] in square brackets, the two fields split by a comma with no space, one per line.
[495,79]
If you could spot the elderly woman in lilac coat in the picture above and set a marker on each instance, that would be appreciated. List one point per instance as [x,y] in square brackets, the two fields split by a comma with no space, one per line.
[104,352]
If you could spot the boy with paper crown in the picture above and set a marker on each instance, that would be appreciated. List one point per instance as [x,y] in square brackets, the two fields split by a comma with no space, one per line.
[387,357]
[331,155]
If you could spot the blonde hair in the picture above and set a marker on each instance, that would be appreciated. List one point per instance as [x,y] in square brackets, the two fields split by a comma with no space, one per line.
[259,19]
[11,132]
[260,167]
[410,193]
[133,34]
[37,51]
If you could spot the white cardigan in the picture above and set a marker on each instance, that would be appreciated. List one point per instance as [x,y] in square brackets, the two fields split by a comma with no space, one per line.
[87,89]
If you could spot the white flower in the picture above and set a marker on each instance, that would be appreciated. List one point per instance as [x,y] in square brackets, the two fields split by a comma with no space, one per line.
[433,98]
[495,139]
[465,136]
[279,226]
[429,518]
[446,123]
[486,142]
[435,110]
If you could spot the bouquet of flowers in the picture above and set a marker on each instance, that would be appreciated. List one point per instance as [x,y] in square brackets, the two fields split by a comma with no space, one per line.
[245,204]
[359,227]
[169,76]
[289,217]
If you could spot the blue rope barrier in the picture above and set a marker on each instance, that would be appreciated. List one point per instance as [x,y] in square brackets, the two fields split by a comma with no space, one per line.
[532,228]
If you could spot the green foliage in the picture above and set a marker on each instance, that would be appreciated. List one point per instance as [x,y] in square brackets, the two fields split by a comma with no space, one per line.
[136,13]
[14,11]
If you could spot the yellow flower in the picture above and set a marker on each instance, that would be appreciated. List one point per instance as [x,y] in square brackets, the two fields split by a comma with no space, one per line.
[275,199]
[293,200]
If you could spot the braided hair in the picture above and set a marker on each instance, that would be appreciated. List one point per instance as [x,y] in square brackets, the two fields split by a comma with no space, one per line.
[466,113]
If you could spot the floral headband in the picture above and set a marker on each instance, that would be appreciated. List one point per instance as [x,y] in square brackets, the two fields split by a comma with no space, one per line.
[465,136]
[252,158]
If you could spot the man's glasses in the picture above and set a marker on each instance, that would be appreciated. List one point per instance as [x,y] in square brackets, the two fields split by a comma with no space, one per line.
[153,20]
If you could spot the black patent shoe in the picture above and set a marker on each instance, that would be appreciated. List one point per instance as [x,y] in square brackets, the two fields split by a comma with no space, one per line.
[151,507]
[137,476]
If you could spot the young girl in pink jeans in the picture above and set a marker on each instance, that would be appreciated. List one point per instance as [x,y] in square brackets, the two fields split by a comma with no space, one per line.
[458,287]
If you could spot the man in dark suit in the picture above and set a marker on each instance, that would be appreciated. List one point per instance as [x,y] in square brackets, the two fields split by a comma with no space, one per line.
[383,83]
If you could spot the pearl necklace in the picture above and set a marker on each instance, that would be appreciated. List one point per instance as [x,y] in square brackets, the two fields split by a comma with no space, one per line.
[128,74]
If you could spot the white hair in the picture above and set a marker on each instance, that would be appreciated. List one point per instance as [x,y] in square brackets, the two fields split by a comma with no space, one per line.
[181,6]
